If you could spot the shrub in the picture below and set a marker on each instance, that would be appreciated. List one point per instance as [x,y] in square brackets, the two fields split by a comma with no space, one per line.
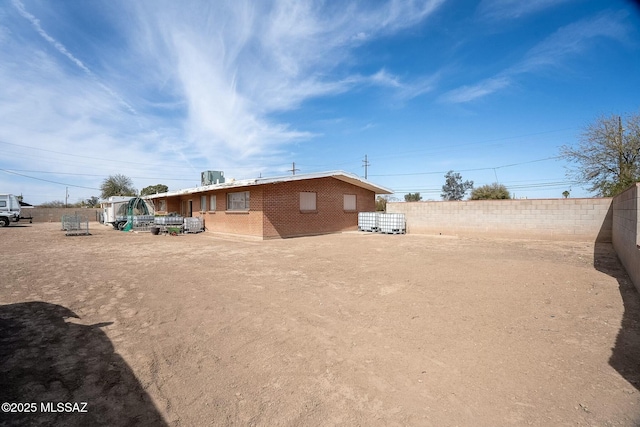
[490,192]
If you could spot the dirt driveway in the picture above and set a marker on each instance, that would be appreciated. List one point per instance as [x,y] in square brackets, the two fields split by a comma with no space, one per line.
[351,329]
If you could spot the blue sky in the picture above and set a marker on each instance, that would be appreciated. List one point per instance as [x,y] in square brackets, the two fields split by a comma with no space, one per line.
[161,90]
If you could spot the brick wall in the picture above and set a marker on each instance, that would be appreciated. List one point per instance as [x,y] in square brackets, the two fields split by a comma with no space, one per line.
[54,214]
[275,209]
[566,219]
[220,220]
[626,231]
[283,218]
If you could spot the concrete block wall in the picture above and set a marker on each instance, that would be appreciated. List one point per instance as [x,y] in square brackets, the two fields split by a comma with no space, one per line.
[55,214]
[626,231]
[561,219]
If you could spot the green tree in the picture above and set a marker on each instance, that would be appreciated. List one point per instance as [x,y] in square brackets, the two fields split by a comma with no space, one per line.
[454,188]
[117,185]
[154,189]
[490,191]
[566,193]
[412,197]
[92,201]
[607,155]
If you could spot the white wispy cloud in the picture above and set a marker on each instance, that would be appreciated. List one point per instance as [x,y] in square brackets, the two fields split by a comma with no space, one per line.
[573,39]
[186,87]
[555,50]
[402,89]
[63,50]
[470,93]
[236,72]
[384,78]
[513,9]
[36,23]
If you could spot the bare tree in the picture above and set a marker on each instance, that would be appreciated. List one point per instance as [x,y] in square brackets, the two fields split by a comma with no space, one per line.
[381,203]
[607,155]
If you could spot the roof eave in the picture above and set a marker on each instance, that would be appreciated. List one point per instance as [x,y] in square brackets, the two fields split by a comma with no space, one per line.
[341,175]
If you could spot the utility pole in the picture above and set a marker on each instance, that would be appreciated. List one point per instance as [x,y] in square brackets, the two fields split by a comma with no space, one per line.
[293,168]
[365,164]
[66,197]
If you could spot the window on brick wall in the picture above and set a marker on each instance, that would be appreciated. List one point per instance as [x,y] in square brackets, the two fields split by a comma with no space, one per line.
[212,203]
[238,201]
[203,203]
[162,205]
[349,202]
[307,201]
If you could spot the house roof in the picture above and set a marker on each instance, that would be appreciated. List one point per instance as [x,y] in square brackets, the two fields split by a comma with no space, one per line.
[230,184]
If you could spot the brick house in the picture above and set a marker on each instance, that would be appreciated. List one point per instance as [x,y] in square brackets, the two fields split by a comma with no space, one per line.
[296,205]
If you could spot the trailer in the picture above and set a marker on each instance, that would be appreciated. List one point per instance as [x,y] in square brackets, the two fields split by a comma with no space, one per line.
[9,209]
[126,213]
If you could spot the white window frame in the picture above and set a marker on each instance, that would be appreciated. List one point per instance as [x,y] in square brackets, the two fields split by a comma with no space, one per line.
[238,201]
[212,203]
[349,202]
[203,203]
[308,201]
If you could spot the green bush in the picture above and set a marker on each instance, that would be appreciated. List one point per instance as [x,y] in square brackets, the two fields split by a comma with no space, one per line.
[490,192]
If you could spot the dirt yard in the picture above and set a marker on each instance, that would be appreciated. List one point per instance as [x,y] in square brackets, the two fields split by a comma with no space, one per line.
[351,329]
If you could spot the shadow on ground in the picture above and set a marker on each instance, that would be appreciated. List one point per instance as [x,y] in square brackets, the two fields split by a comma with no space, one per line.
[45,359]
[625,356]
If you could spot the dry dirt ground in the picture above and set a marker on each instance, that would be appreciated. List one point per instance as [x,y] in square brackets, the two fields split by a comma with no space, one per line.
[351,329]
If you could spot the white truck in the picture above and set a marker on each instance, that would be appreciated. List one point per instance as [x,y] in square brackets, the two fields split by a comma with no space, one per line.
[9,209]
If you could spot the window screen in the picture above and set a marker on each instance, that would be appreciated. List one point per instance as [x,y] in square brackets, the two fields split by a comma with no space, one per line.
[307,201]
[349,202]
[238,201]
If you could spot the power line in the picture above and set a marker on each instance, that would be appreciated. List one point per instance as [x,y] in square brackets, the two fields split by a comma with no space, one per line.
[447,149]
[68,154]
[521,187]
[471,170]
[450,146]
[103,176]
[102,159]
[47,180]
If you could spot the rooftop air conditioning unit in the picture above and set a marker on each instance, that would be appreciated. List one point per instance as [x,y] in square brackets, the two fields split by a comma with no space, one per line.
[211,177]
